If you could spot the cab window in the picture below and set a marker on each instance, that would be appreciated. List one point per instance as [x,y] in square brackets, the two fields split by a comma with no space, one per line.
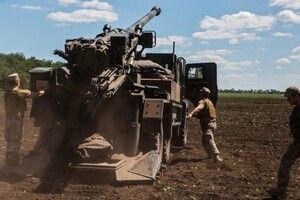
[195,73]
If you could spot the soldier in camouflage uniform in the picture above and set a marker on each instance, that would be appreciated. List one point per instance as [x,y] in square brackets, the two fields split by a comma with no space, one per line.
[206,113]
[15,107]
[293,150]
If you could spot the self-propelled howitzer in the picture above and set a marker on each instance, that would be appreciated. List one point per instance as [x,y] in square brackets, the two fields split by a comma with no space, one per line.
[117,48]
[112,113]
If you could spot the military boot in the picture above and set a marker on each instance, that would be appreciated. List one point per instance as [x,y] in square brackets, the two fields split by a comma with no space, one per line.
[217,159]
[12,159]
[277,192]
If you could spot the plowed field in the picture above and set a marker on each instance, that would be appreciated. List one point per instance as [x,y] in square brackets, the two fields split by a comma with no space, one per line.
[252,135]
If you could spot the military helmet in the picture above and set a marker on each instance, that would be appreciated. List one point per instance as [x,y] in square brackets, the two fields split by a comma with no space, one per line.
[292,90]
[205,90]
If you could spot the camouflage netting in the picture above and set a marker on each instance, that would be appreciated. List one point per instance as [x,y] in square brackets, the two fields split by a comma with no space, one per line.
[86,60]
[151,69]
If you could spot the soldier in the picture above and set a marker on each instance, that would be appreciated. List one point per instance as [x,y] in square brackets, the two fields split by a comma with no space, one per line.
[293,150]
[15,107]
[206,113]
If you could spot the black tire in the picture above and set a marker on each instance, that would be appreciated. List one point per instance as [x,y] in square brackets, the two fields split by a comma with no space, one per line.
[179,138]
[182,139]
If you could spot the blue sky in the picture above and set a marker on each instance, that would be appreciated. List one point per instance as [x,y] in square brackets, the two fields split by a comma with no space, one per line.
[256,44]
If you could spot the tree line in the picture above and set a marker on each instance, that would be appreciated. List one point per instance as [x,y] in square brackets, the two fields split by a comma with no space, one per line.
[251,91]
[18,63]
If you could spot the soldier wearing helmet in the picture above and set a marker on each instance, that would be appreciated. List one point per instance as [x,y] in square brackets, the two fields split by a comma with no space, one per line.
[292,95]
[15,107]
[206,113]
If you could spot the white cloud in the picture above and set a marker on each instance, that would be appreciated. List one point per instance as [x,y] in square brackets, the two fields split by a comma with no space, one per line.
[238,81]
[249,36]
[236,66]
[280,34]
[262,49]
[179,40]
[239,21]
[234,27]
[215,34]
[27,7]
[239,76]
[295,54]
[296,50]
[292,4]
[223,34]
[83,16]
[295,57]
[283,61]
[201,55]
[67,2]
[233,41]
[289,16]
[279,67]
[290,79]
[62,24]
[248,81]
[96,5]
[217,57]
[91,11]
[292,76]
[253,81]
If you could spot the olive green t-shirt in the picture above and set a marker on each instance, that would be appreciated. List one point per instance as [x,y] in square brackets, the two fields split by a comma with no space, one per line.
[15,102]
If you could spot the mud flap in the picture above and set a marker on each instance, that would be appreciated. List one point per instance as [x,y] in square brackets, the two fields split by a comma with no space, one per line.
[148,165]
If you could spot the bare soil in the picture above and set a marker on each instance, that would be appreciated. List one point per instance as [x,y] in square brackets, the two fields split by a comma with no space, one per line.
[252,135]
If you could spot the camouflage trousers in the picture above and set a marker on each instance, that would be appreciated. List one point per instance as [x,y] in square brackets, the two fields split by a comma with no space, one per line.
[13,137]
[207,139]
[288,159]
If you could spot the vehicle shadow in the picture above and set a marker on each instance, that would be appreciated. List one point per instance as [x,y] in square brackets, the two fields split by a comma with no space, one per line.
[52,182]
[175,149]
[10,177]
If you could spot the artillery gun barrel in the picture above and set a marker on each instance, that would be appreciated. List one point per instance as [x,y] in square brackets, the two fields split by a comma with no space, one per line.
[155,11]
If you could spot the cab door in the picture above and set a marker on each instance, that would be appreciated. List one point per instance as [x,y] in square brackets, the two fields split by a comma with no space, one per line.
[198,75]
